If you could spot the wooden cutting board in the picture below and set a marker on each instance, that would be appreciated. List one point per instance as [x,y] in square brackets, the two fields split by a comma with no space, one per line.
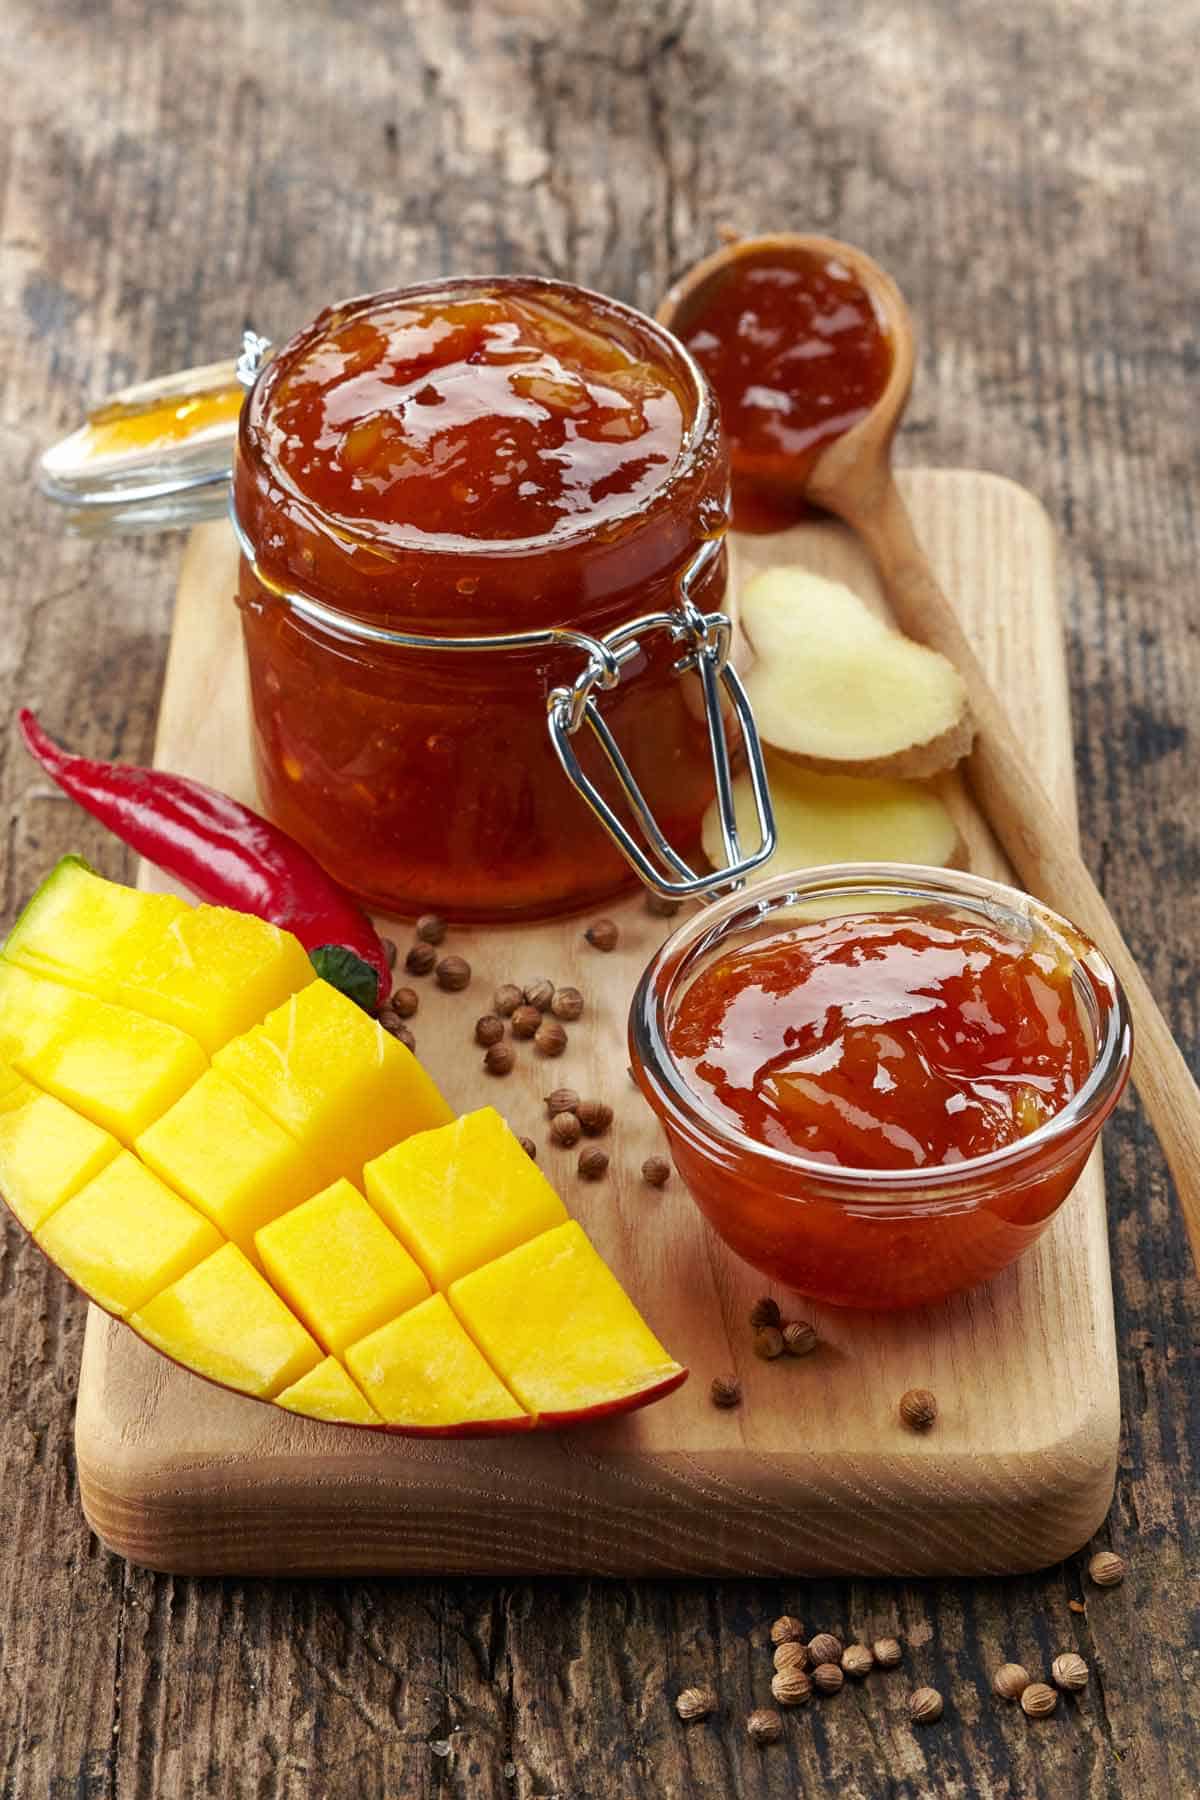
[814,1474]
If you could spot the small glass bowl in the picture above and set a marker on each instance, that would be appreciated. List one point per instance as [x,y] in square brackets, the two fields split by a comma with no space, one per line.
[878,1238]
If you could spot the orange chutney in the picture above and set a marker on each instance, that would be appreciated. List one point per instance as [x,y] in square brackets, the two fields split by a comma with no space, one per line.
[474,458]
[893,1042]
[796,355]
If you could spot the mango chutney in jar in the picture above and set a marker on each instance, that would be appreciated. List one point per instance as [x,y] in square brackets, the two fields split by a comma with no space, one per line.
[470,459]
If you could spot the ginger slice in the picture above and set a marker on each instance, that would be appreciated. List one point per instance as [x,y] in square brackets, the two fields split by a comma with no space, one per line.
[822,819]
[835,688]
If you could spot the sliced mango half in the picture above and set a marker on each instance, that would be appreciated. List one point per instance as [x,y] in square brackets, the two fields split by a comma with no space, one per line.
[303,1219]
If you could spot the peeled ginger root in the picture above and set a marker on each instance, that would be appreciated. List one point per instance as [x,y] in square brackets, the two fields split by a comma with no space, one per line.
[823,819]
[837,689]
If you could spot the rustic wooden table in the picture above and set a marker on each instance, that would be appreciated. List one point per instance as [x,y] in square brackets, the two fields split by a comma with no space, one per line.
[169,174]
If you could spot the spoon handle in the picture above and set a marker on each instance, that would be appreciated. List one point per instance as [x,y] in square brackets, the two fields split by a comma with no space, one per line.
[1037,841]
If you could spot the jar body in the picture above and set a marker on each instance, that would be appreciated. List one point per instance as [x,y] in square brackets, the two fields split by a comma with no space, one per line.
[426,778]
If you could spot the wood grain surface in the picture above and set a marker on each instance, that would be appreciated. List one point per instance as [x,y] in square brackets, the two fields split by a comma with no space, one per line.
[1026,172]
[1019,1472]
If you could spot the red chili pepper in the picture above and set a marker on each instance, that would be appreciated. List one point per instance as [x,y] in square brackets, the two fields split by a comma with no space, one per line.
[226,854]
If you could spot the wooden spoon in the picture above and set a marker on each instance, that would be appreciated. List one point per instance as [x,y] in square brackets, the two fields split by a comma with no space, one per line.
[852,477]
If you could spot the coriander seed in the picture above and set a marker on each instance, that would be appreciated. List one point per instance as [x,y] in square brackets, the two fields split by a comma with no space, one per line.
[489,1029]
[1069,1672]
[538,993]
[499,1059]
[791,1687]
[791,1655]
[529,1147]
[404,1001]
[567,1003]
[825,1648]
[765,1726]
[1010,1681]
[594,1116]
[925,1706]
[696,1703]
[506,1000]
[404,1036]
[660,906]
[389,1018]
[918,1409]
[420,959]
[550,1038]
[1039,1700]
[726,1391]
[1107,1569]
[602,935]
[887,1653]
[768,1343]
[453,973]
[765,1312]
[561,1100]
[827,1678]
[656,1170]
[525,1021]
[431,928]
[593,1163]
[857,1660]
[391,950]
[787,1630]
[799,1338]
[565,1129]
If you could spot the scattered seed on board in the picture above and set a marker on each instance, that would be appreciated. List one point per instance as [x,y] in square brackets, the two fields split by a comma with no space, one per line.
[567,1004]
[594,1116]
[602,935]
[420,959]
[431,928]
[529,1147]
[768,1343]
[787,1630]
[791,1687]
[550,1038]
[765,1726]
[925,1706]
[799,1338]
[405,1001]
[1069,1672]
[656,1171]
[524,1020]
[791,1656]
[561,1100]
[696,1703]
[539,993]
[499,1059]
[765,1312]
[918,1409]
[565,1129]
[489,1029]
[391,950]
[825,1648]
[660,907]
[1106,1568]
[1010,1681]
[726,1391]
[506,999]
[453,973]
[1039,1700]
[827,1678]
[887,1652]
[857,1660]
[593,1163]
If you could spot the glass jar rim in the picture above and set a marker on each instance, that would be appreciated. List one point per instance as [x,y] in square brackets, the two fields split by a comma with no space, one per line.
[702,416]
[661,1079]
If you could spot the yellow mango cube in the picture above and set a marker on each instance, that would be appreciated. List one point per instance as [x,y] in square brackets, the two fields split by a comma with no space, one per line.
[462,1195]
[327,1392]
[556,1324]
[338,1266]
[81,929]
[117,1067]
[334,1078]
[228,1158]
[47,1151]
[125,1235]
[214,973]
[423,1372]
[224,1321]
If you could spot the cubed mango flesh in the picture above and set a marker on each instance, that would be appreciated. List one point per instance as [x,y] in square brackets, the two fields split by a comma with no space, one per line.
[461,1195]
[327,1392]
[559,1328]
[214,973]
[229,1158]
[224,1321]
[335,1079]
[338,1266]
[117,1067]
[125,1235]
[82,930]
[423,1372]
[47,1151]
